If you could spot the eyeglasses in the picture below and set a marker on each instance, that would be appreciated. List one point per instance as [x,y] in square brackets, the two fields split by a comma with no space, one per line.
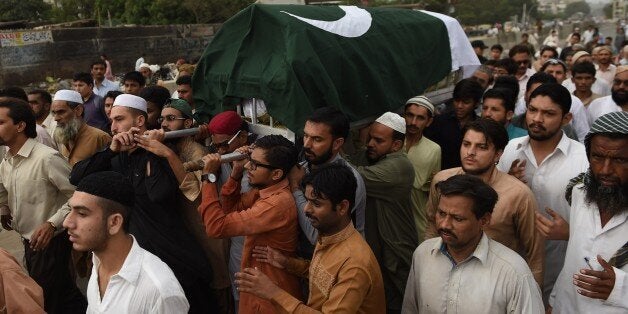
[254,164]
[224,144]
[169,118]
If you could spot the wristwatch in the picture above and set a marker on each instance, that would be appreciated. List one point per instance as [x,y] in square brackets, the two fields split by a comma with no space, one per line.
[209,177]
[52,225]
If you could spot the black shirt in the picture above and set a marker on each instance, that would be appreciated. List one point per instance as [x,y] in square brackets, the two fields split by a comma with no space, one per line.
[445,130]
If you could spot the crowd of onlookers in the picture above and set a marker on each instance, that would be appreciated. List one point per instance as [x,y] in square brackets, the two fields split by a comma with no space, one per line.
[511,197]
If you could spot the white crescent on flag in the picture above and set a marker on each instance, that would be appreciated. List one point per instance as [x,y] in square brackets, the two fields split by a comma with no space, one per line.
[355,23]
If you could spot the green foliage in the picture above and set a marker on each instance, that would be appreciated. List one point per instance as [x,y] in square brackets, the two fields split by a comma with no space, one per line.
[575,7]
[32,10]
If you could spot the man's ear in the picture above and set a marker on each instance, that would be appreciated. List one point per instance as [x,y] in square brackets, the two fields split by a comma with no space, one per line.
[115,223]
[397,145]
[485,220]
[566,119]
[188,123]
[78,111]
[337,144]
[342,208]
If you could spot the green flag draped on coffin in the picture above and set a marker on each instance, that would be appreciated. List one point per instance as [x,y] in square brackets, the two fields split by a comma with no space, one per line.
[298,58]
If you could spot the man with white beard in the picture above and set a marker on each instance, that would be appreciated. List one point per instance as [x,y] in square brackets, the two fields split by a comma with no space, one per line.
[76,139]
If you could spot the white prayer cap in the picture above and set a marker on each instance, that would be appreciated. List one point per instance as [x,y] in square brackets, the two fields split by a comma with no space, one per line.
[144,65]
[393,121]
[423,102]
[68,95]
[130,101]
[154,68]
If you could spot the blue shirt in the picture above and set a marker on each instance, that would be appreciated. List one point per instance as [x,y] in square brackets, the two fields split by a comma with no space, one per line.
[515,132]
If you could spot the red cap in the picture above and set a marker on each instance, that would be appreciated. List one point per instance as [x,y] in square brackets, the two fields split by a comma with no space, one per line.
[228,122]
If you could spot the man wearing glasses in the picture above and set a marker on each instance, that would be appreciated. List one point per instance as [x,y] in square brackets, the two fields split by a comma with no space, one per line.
[520,54]
[266,215]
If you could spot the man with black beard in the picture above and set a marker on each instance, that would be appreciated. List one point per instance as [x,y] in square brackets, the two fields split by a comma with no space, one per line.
[545,160]
[512,223]
[594,276]
[389,222]
[324,134]
[617,101]
[76,140]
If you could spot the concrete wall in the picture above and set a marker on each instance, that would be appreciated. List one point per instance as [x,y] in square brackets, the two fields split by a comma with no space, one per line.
[74,49]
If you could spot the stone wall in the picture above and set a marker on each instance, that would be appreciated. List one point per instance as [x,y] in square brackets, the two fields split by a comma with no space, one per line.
[73,50]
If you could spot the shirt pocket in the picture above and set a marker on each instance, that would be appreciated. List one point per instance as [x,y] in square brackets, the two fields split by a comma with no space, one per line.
[34,192]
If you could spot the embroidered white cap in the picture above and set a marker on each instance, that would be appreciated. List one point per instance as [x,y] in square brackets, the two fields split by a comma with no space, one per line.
[68,95]
[130,101]
[393,121]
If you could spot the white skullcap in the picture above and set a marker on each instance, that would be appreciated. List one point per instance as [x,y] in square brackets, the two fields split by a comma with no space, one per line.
[144,65]
[393,121]
[130,101]
[68,95]
[423,102]
[154,68]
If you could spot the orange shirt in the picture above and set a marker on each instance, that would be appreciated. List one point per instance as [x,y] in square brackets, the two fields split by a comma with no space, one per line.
[265,217]
[18,292]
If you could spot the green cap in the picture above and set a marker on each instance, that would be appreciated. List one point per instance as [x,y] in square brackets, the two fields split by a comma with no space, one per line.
[181,105]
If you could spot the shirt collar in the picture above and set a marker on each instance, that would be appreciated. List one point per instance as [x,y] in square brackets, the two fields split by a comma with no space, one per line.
[26,149]
[338,237]
[130,270]
[274,189]
[563,144]
[480,252]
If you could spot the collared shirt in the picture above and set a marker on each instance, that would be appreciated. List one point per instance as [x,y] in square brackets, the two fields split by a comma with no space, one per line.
[587,101]
[494,279]
[599,87]
[88,141]
[358,208]
[425,157]
[580,121]
[34,185]
[523,81]
[548,181]
[18,292]
[390,229]
[590,239]
[512,222]
[95,113]
[105,87]
[607,75]
[267,217]
[50,124]
[144,284]
[600,107]
[344,277]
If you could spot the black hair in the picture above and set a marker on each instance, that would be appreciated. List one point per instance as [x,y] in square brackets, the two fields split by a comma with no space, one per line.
[184,80]
[100,62]
[484,197]
[576,35]
[510,84]
[540,77]
[494,132]
[398,136]
[158,95]
[518,49]
[84,77]
[508,64]
[135,76]
[585,67]
[557,93]
[14,92]
[112,94]
[550,48]
[279,152]
[468,89]
[506,96]
[498,47]
[333,182]
[44,95]
[334,119]
[20,111]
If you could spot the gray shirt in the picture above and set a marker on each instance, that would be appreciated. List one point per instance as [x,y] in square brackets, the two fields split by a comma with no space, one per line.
[358,207]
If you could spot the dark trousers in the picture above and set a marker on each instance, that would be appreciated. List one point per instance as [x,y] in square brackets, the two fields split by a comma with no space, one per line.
[50,268]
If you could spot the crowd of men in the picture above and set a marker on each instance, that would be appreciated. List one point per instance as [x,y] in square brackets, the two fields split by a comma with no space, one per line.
[513,197]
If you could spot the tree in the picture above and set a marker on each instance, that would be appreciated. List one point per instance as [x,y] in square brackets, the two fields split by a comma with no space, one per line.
[32,10]
[575,7]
